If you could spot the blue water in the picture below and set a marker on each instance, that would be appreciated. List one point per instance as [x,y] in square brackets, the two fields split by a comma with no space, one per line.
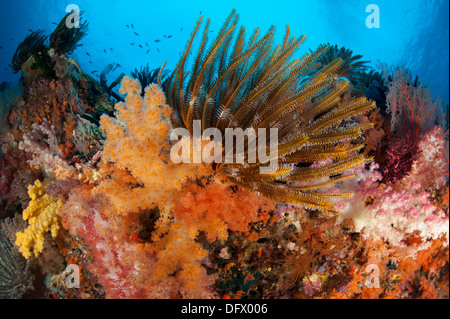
[413,33]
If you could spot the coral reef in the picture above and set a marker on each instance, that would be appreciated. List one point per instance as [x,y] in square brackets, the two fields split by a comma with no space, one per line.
[358,206]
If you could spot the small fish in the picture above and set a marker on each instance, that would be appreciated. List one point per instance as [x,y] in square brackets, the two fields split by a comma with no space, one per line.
[132,44]
[140,46]
[200,13]
[147,51]
[146,44]
[93,72]
[87,53]
[90,62]
[165,36]
[54,23]
[111,49]
[118,65]
[181,29]
[104,50]
[211,31]
[157,50]
[5,69]
[127,26]
[11,39]
[29,30]
[132,27]
[157,40]
[1,47]
[169,36]
[136,33]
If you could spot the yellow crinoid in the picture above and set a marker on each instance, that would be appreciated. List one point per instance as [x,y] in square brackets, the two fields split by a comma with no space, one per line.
[253,84]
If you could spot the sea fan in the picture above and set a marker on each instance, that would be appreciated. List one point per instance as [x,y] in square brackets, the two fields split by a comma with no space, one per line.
[254,84]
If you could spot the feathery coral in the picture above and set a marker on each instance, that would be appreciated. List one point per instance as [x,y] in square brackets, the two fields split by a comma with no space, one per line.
[15,275]
[253,85]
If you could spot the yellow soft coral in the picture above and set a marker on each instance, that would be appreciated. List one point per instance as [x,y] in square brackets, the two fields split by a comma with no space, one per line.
[43,215]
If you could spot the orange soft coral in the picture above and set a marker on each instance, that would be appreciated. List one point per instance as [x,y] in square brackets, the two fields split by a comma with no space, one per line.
[137,141]
[138,176]
[220,204]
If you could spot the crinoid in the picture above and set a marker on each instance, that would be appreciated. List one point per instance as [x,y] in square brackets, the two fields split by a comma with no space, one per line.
[15,275]
[147,76]
[252,84]
[33,42]
[351,68]
[65,39]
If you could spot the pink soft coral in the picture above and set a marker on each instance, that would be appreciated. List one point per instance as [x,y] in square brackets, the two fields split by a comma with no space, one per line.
[431,166]
[392,212]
